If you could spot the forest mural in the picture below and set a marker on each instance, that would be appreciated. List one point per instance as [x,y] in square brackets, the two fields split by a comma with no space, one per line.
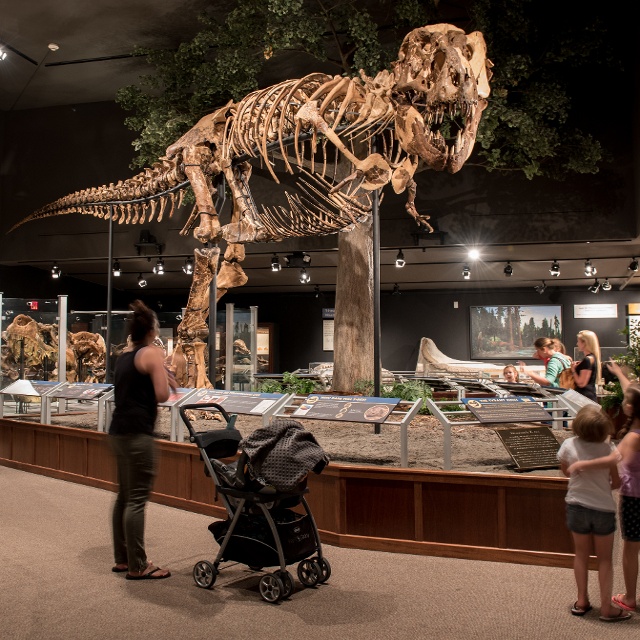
[509,331]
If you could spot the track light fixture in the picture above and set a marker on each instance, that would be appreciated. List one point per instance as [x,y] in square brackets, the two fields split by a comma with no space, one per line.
[3,54]
[116,269]
[141,281]
[56,272]
[633,265]
[595,287]
[541,288]
[396,290]
[400,261]
[589,269]
[466,272]
[187,267]
[159,268]
[555,269]
[298,259]
[275,263]
[606,285]
[305,278]
[508,270]
[316,290]
[473,254]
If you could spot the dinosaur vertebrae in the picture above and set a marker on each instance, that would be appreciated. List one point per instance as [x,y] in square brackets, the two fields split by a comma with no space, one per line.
[139,199]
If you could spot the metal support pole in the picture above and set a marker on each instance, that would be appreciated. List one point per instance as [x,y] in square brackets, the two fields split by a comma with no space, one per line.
[375,218]
[107,361]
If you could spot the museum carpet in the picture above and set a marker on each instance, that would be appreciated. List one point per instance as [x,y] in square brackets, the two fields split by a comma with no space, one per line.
[56,583]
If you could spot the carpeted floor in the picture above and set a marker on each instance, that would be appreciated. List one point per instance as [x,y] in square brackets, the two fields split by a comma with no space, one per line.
[56,584]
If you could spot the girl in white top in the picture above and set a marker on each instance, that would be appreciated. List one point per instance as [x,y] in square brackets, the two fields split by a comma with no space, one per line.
[591,510]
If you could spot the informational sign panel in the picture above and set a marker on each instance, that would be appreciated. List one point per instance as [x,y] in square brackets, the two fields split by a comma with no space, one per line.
[509,409]
[347,408]
[42,386]
[82,391]
[327,335]
[236,401]
[175,396]
[531,447]
[595,310]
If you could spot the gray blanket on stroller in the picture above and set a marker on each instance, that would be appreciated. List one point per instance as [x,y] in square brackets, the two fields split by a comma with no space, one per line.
[283,453]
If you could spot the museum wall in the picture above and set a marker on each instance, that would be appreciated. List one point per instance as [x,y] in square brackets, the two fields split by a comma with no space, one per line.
[410,316]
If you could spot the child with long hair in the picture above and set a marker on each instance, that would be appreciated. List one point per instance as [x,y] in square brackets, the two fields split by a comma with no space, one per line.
[628,454]
[591,509]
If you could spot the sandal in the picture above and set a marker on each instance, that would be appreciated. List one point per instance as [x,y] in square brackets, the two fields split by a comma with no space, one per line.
[150,573]
[580,611]
[618,617]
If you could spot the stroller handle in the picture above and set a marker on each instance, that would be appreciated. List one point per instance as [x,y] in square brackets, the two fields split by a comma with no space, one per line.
[211,405]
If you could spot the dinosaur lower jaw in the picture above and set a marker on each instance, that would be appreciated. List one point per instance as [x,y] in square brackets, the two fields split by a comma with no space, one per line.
[440,154]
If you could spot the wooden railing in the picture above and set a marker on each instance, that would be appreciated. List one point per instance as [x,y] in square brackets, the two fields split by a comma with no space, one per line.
[505,518]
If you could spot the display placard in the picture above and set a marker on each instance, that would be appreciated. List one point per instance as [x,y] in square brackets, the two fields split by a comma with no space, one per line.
[530,447]
[42,386]
[595,310]
[347,408]
[82,391]
[508,409]
[327,335]
[236,401]
[174,397]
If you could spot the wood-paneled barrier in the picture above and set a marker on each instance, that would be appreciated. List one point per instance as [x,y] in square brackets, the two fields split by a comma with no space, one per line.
[480,516]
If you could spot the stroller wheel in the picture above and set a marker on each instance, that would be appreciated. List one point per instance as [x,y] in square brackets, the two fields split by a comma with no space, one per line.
[204,574]
[287,581]
[309,572]
[271,587]
[325,569]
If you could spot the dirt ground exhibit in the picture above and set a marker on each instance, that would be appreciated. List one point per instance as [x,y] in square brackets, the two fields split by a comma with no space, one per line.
[473,448]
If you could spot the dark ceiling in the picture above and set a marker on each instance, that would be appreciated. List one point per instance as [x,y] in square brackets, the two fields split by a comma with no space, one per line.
[93,60]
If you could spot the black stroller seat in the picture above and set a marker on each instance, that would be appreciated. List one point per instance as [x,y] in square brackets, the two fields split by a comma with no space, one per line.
[262,529]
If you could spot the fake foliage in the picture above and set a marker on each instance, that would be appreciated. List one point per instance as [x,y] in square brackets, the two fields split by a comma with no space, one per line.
[629,360]
[540,56]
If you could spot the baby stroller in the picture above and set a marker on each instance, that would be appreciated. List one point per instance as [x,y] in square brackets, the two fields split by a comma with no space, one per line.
[262,529]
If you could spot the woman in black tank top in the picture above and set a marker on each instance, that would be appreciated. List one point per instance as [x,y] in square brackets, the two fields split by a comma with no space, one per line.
[141,381]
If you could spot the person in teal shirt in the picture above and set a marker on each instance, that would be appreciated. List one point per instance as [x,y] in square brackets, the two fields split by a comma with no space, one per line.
[556,363]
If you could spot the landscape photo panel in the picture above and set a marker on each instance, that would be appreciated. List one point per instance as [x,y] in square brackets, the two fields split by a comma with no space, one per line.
[507,332]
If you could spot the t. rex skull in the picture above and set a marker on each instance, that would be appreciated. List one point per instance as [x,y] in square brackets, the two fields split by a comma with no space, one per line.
[441,86]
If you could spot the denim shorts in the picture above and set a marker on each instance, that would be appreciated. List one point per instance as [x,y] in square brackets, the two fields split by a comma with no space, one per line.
[584,520]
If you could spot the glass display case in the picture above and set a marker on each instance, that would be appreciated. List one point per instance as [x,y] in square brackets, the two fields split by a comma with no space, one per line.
[236,347]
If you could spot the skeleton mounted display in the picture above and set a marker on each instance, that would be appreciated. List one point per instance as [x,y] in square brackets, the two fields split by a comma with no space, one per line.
[440,83]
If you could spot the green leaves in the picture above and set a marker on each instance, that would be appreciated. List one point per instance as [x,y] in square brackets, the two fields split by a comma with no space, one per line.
[530,126]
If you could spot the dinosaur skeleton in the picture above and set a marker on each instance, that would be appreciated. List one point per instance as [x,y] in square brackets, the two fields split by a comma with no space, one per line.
[424,113]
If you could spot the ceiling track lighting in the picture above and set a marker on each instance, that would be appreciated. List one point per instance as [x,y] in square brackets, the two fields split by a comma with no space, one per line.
[396,290]
[275,263]
[188,266]
[56,272]
[400,261]
[474,254]
[298,259]
[116,269]
[633,265]
[555,269]
[589,269]
[141,281]
[508,270]
[541,288]
[606,285]
[595,287]
[466,272]
[305,278]
[159,268]
[316,290]
[3,54]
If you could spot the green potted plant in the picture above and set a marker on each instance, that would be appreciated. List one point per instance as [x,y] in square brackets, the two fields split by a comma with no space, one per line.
[630,362]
